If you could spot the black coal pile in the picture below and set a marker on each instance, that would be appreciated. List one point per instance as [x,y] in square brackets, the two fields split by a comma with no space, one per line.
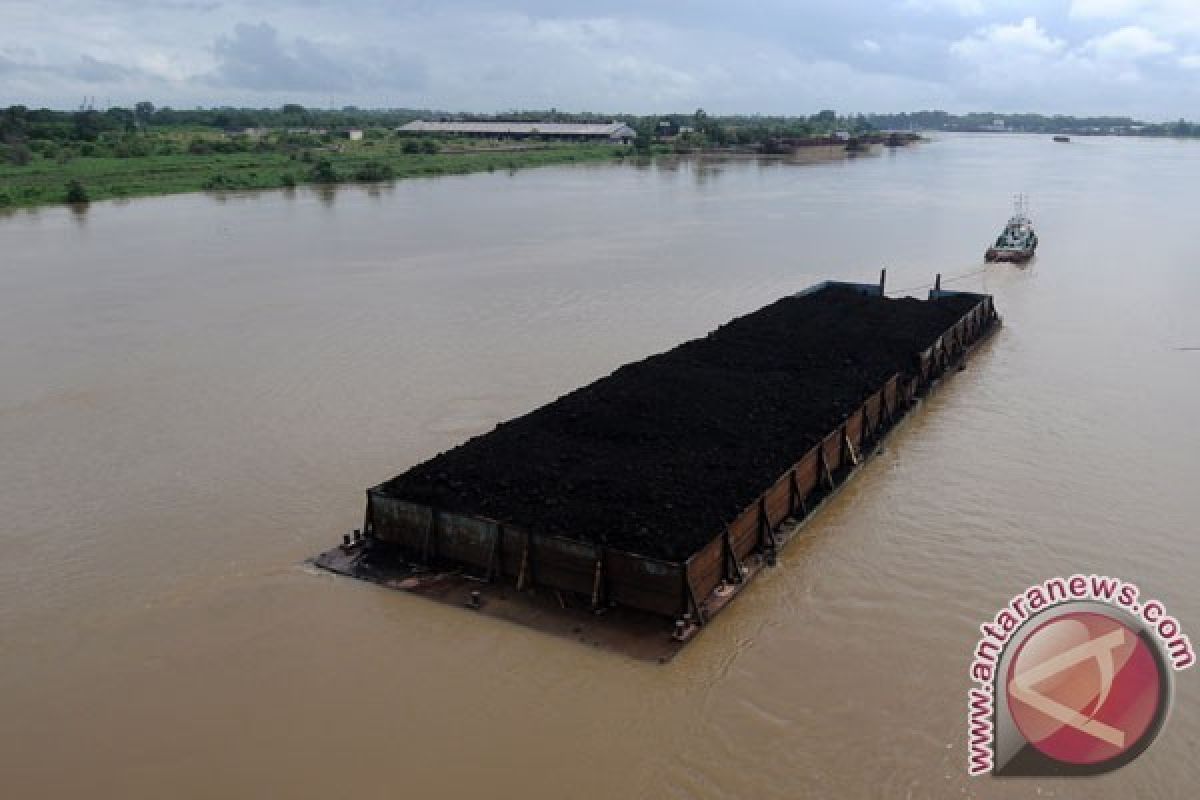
[659,456]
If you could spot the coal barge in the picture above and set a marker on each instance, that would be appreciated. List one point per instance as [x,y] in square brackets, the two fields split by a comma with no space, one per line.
[629,512]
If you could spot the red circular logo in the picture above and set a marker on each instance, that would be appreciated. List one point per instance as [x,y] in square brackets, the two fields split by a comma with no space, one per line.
[1084,688]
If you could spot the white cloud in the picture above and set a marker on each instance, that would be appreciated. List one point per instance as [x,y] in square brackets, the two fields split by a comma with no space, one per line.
[1122,71]
[868,46]
[1000,42]
[1163,17]
[1128,44]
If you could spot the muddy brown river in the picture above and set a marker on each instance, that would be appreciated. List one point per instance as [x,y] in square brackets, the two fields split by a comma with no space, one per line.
[196,391]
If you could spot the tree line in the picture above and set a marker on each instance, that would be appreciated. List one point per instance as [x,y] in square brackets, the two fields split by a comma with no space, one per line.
[139,130]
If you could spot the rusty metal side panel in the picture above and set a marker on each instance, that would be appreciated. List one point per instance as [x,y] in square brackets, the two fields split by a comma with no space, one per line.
[984,315]
[778,500]
[512,547]
[874,409]
[950,341]
[939,358]
[743,532]
[806,474]
[405,524]
[926,364]
[854,428]
[831,449]
[645,583]
[563,564]
[891,393]
[706,569]
[469,541]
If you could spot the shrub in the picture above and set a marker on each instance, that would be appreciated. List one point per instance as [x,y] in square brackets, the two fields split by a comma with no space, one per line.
[20,154]
[323,172]
[199,147]
[411,147]
[228,146]
[76,193]
[288,181]
[430,147]
[374,171]
[219,181]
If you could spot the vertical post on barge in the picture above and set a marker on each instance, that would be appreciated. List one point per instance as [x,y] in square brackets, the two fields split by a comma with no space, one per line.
[766,536]
[523,574]
[598,594]
[733,565]
[823,465]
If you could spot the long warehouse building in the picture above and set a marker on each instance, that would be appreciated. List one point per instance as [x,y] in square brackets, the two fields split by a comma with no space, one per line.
[566,131]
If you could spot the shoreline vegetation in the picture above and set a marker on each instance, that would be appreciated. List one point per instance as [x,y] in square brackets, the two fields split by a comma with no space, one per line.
[81,180]
[50,157]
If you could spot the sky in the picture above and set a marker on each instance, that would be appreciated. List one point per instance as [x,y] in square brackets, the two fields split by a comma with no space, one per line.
[1138,58]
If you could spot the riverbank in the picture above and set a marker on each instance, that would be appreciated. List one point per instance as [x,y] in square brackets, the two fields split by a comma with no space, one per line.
[46,181]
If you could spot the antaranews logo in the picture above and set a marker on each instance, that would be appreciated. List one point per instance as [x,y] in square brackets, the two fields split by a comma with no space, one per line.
[1073,677]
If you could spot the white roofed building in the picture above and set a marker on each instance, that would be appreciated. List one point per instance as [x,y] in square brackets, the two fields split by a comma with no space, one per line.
[563,131]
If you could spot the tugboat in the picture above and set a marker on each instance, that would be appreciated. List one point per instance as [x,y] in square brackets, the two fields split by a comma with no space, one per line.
[1018,241]
[1062,138]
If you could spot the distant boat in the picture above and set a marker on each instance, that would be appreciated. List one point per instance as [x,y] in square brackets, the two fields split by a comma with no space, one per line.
[1017,242]
[1062,138]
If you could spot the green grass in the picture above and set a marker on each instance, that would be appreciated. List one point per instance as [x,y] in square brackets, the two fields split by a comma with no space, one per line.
[44,181]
